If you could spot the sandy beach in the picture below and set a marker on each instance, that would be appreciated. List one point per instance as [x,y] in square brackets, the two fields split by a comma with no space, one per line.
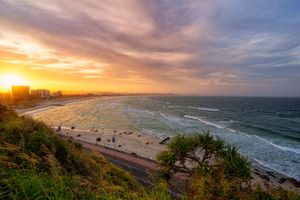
[147,146]
[131,142]
[48,104]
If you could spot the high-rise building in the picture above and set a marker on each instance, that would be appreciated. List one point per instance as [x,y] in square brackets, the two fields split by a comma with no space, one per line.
[40,93]
[57,94]
[20,92]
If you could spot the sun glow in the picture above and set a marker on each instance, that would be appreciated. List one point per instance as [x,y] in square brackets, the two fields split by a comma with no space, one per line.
[8,80]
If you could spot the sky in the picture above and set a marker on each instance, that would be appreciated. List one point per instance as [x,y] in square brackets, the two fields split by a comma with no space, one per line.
[207,47]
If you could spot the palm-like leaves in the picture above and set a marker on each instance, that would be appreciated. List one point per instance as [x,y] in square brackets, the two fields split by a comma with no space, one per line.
[202,153]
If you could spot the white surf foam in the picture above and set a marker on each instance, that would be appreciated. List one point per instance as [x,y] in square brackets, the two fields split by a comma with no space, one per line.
[231,130]
[39,110]
[198,108]
[172,118]
[150,113]
[283,148]
[204,121]
[207,109]
[153,133]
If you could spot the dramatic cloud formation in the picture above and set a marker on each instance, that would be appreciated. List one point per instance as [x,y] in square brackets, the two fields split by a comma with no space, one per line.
[209,47]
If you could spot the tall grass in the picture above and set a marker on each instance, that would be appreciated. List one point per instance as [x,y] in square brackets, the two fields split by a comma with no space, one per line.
[35,163]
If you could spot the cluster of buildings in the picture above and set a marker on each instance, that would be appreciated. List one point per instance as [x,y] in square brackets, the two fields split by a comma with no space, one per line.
[19,93]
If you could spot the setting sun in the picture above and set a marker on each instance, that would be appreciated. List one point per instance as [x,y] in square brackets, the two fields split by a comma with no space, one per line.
[8,80]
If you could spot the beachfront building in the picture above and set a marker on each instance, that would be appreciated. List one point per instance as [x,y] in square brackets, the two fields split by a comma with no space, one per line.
[40,93]
[57,94]
[20,92]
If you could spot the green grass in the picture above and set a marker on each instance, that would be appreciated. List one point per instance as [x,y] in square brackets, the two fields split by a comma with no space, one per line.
[35,163]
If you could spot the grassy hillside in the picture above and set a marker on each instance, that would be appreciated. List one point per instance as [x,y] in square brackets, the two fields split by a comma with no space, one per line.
[37,164]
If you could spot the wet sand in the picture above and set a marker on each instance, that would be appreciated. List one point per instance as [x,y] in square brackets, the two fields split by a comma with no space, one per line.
[147,146]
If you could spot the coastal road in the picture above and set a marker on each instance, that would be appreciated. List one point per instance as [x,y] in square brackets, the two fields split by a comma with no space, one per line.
[140,173]
[141,168]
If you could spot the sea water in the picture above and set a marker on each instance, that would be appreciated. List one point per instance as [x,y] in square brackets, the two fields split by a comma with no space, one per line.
[267,130]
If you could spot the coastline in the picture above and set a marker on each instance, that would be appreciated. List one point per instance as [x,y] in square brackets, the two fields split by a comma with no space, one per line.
[148,146]
[48,104]
[135,143]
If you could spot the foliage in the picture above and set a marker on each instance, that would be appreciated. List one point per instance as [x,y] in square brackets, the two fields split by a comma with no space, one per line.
[203,154]
[35,163]
[211,169]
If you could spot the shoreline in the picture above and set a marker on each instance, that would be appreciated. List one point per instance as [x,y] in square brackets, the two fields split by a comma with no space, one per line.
[136,145]
[148,146]
[48,104]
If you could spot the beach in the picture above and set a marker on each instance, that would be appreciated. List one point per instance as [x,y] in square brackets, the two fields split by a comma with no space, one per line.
[136,143]
[130,140]
[145,146]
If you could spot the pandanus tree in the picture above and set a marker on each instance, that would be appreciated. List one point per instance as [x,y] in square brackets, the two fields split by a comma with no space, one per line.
[203,157]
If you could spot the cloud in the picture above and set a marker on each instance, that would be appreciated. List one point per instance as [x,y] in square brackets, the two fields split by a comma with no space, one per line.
[174,44]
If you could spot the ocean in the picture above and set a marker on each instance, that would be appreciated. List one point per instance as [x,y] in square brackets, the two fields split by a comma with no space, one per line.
[266,130]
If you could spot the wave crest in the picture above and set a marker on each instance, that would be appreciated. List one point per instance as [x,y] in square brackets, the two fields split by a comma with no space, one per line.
[204,121]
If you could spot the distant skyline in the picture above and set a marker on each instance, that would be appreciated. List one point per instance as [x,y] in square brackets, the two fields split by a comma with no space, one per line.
[209,47]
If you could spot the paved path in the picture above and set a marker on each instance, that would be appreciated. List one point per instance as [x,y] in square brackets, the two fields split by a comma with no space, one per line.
[151,165]
[139,167]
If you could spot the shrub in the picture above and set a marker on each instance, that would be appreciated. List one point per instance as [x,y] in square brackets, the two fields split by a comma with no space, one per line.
[202,153]
[212,169]
[35,163]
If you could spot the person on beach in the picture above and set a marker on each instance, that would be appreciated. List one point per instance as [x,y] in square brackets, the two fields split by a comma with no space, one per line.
[113,138]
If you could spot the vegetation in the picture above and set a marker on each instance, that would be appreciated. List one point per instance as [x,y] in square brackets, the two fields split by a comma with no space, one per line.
[35,163]
[211,169]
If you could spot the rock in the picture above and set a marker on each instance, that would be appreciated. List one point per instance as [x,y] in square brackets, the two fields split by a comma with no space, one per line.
[134,154]
[282,180]
[264,177]
[164,140]
[294,182]
[271,174]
